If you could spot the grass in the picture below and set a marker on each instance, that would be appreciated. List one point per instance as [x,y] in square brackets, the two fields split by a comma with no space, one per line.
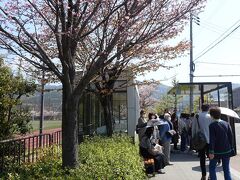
[46,125]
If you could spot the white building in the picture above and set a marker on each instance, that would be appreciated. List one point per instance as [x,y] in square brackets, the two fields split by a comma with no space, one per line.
[125,111]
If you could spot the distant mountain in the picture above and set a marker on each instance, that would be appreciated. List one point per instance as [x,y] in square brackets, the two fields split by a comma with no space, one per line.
[53,96]
[52,99]
[161,90]
[235,85]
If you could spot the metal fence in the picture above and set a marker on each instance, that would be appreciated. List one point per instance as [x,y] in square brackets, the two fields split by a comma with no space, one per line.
[27,149]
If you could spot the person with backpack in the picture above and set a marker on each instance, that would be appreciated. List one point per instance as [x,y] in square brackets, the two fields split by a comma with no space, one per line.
[202,124]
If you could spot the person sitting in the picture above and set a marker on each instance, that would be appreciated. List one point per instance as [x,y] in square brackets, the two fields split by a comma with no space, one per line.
[149,150]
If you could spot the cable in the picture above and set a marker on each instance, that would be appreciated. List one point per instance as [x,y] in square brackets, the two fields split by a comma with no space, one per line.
[218,75]
[215,28]
[218,30]
[225,64]
[213,44]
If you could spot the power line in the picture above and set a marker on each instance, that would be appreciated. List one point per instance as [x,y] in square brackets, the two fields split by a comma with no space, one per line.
[213,44]
[236,36]
[218,75]
[216,29]
[225,64]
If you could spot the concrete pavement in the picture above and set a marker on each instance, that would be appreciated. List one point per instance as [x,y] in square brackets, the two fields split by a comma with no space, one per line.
[187,167]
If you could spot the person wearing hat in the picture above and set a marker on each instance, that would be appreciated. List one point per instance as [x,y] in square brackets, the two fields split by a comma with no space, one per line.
[148,150]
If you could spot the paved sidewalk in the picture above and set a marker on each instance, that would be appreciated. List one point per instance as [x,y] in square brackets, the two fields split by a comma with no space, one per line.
[187,167]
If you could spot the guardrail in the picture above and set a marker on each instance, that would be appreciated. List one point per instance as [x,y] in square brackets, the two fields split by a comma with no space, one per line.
[27,149]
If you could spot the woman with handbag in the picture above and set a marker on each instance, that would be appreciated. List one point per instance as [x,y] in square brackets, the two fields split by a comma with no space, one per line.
[149,150]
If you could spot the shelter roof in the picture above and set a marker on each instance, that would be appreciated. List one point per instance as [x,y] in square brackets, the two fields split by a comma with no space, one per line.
[206,87]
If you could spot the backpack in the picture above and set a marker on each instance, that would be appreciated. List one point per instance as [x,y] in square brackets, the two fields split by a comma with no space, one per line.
[199,140]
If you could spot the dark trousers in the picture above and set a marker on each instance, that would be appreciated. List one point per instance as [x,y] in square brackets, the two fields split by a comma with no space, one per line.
[159,162]
[202,154]
[183,146]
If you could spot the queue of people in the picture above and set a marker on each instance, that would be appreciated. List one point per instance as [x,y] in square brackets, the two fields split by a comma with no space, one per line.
[158,132]
[156,139]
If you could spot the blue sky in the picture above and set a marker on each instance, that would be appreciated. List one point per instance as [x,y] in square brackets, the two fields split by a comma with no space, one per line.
[224,59]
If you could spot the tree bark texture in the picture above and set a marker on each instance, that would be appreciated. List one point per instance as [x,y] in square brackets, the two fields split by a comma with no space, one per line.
[69,130]
[107,104]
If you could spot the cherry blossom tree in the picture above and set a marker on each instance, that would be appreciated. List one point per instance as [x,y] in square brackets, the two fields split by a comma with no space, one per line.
[147,100]
[57,36]
[142,57]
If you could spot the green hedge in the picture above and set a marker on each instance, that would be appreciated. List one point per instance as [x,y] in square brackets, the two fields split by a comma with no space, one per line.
[100,158]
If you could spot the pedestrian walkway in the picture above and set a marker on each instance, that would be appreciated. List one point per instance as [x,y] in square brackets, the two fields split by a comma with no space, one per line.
[186,167]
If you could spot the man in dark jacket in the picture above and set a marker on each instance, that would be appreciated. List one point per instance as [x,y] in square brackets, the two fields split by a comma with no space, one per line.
[221,144]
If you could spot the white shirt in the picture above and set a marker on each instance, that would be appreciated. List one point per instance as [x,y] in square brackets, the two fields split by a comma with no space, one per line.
[204,121]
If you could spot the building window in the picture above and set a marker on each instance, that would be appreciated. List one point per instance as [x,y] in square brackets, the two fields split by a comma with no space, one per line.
[120,112]
[91,113]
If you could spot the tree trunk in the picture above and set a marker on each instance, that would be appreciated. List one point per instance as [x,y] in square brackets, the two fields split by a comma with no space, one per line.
[69,130]
[107,104]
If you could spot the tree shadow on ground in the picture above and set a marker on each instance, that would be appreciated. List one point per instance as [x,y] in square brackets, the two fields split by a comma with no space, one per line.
[197,168]
[183,157]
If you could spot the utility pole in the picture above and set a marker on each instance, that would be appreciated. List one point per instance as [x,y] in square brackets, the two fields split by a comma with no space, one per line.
[42,107]
[191,64]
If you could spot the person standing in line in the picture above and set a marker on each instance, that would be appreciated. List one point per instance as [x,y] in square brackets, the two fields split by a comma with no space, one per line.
[141,126]
[192,117]
[188,124]
[165,139]
[183,132]
[221,144]
[174,120]
[204,120]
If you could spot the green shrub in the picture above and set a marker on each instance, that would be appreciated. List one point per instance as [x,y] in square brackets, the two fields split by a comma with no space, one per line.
[100,158]
[48,167]
[8,153]
[110,158]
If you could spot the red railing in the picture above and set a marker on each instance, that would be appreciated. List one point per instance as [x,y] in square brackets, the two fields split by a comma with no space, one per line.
[27,149]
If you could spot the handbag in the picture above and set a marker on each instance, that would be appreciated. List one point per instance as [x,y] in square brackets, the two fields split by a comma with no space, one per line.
[199,140]
[171,133]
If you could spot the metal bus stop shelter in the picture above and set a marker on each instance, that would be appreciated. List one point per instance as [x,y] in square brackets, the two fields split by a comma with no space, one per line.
[212,93]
